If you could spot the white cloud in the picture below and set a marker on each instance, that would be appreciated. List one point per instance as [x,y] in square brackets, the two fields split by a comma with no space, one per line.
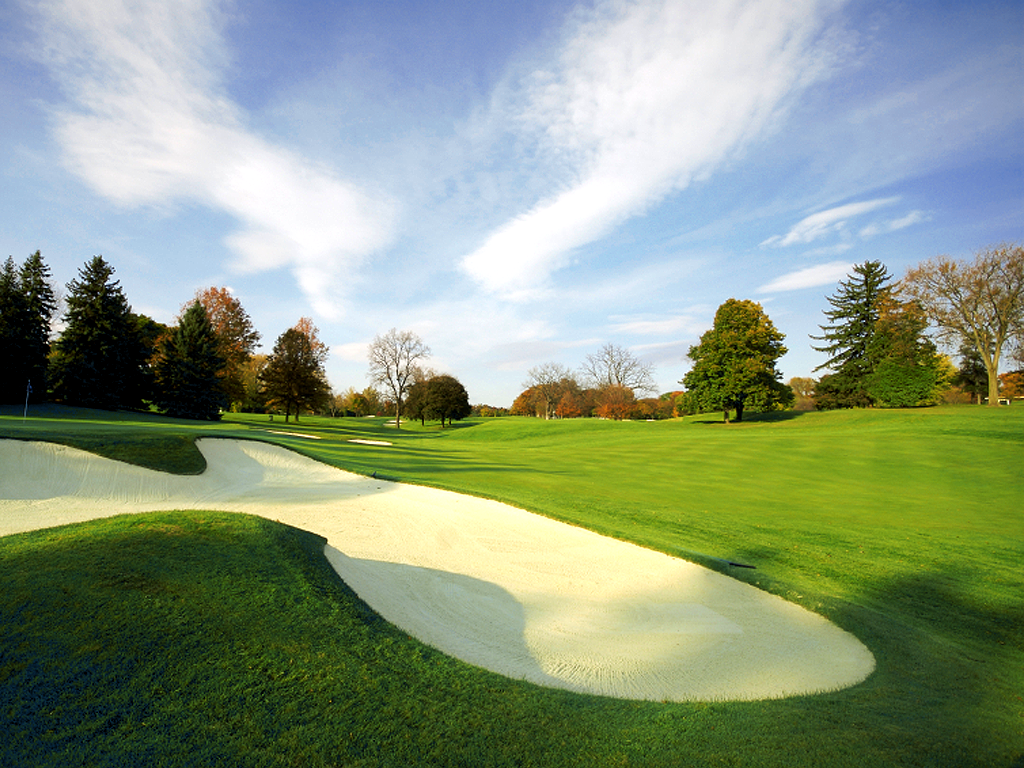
[149,124]
[823,223]
[914,217]
[823,274]
[671,325]
[645,97]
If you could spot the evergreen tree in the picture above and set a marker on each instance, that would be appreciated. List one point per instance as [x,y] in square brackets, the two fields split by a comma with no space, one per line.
[294,376]
[972,375]
[15,320]
[734,364]
[37,289]
[188,369]
[237,338]
[99,361]
[848,337]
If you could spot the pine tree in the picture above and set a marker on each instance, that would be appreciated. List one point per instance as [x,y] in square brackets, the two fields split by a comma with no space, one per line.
[848,337]
[971,376]
[99,361]
[188,369]
[37,288]
[237,338]
[15,319]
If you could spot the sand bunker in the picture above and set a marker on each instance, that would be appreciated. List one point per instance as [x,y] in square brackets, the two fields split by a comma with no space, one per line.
[510,591]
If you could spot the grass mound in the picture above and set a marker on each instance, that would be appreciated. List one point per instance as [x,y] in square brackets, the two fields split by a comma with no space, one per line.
[218,639]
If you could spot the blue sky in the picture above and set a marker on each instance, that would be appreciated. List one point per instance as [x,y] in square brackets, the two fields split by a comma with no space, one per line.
[518,183]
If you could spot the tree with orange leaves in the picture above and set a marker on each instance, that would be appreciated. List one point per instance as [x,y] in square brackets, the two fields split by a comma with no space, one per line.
[237,338]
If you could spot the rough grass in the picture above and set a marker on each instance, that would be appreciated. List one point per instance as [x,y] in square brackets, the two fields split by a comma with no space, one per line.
[905,527]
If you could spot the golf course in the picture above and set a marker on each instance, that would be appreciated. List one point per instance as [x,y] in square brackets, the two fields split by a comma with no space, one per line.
[206,637]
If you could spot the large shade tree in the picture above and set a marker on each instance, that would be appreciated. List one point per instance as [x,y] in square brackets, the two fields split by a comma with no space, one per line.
[979,302]
[189,369]
[100,359]
[734,363]
[394,359]
[294,377]
[847,337]
[446,399]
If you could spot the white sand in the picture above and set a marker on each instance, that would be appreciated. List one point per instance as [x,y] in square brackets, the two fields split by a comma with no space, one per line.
[493,585]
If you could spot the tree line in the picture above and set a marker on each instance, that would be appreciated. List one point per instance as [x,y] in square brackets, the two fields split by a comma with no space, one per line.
[106,356]
[605,385]
[880,341]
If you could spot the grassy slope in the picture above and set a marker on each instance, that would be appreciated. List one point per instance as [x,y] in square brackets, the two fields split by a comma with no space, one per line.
[904,527]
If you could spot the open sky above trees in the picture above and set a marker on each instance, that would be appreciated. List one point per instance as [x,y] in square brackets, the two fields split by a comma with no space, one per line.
[515,183]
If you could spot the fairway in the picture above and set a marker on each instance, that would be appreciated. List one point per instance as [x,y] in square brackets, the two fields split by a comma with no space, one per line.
[901,527]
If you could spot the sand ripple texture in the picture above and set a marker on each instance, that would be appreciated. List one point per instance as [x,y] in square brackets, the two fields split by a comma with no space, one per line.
[498,587]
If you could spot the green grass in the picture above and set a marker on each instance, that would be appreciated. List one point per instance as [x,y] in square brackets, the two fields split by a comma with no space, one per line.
[201,638]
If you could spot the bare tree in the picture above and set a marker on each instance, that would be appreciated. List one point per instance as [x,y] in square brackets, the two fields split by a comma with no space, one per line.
[393,364]
[549,381]
[613,366]
[979,303]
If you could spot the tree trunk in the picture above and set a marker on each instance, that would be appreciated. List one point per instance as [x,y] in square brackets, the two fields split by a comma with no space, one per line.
[993,386]
[739,411]
[725,414]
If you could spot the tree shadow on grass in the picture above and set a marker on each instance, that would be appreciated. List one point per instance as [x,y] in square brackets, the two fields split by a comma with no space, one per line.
[472,620]
[950,666]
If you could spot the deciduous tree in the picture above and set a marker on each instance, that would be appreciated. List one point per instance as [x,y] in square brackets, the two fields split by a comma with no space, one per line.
[446,398]
[1011,385]
[189,369]
[616,402]
[613,366]
[734,363]
[393,360]
[803,390]
[294,377]
[549,381]
[906,363]
[979,302]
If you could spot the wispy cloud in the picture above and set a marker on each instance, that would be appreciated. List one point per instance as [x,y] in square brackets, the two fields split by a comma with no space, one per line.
[644,97]
[823,274]
[893,225]
[824,223]
[689,324]
[149,123]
